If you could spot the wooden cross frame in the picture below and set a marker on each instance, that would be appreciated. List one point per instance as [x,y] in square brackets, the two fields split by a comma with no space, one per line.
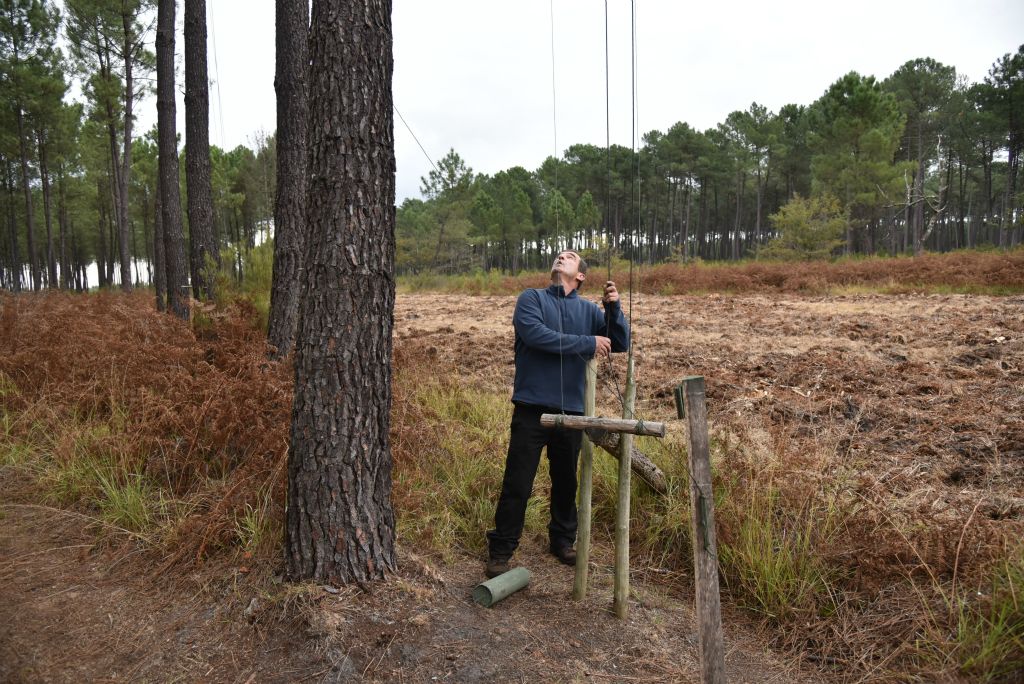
[625,428]
[608,432]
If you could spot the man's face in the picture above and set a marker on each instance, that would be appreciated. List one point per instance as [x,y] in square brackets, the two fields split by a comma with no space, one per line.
[567,263]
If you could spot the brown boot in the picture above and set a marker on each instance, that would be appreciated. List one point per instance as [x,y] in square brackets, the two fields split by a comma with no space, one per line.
[497,566]
[564,554]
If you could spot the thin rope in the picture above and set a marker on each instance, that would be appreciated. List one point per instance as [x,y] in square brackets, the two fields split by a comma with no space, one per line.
[554,128]
[635,182]
[216,73]
[607,152]
[409,128]
[554,110]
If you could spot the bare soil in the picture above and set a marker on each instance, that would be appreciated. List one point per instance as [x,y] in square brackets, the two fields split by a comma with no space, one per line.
[73,610]
[932,384]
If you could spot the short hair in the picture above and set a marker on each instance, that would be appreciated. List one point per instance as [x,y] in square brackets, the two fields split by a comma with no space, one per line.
[582,265]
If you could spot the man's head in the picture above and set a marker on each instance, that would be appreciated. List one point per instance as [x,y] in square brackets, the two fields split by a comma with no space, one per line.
[569,269]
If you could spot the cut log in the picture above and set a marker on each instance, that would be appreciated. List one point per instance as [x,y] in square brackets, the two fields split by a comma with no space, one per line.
[641,465]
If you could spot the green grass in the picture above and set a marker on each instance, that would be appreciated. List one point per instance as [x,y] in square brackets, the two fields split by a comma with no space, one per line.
[989,635]
[256,529]
[126,501]
[476,283]
[771,561]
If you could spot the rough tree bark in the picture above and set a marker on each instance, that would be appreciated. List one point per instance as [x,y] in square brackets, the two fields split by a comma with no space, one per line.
[44,175]
[124,177]
[340,526]
[29,211]
[159,262]
[167,143]
[289,211]
[197,150]
[12,226]
[62,222]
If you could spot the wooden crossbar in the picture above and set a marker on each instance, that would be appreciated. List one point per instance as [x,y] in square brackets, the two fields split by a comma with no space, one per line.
[633,427]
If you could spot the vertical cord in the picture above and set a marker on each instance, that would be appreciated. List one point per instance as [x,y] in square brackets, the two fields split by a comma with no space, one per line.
[554,111]
[608,166]
[636,226]
[554,127]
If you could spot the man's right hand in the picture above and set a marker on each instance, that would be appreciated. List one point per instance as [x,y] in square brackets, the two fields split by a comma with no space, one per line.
[602,346]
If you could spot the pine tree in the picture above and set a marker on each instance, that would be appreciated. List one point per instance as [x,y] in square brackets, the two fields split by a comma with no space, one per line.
[340,524]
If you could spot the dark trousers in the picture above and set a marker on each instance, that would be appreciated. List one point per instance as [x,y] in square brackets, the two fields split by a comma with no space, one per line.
[527,441]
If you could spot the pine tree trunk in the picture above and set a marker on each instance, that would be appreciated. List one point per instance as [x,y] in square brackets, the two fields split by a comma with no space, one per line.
[29,211]
[174,240]
[62,222]
[124,178]
[159,262]
[101,258]
[44,175]
[340,524]
[289,210]
[197,151]
[13,228]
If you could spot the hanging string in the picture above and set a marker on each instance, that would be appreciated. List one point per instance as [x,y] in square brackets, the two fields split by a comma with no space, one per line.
[422,149]
[554,128]
[635,182]
[607,152]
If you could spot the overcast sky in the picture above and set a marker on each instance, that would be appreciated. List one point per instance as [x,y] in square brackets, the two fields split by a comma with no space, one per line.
[476,75]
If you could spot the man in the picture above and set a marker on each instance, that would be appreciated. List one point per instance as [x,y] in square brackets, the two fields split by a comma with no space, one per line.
[557,333]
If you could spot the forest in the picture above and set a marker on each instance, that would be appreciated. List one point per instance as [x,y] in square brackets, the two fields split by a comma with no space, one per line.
[289,478]
[921,159]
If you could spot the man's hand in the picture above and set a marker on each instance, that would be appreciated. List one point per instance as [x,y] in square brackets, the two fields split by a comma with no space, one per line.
[610,293]
[602,346]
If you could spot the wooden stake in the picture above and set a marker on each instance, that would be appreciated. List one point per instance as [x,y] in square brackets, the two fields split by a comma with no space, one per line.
[621,589]
[705,548]
[579,588]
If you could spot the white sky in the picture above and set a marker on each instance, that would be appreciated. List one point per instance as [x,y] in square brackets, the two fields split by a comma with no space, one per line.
[476,75]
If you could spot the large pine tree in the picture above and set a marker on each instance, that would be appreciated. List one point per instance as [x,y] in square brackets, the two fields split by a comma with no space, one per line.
[340,523]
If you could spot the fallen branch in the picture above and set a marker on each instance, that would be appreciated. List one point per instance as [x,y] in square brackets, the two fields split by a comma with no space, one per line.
[642,465]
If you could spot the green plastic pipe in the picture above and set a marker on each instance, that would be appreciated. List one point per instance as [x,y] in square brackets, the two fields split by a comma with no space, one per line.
[493,590]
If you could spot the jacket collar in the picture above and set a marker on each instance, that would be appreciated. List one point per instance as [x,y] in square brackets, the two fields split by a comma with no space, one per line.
[559,291]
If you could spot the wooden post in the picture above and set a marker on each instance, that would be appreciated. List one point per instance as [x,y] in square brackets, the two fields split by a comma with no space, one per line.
[621,590]
[579,588]
[705,548]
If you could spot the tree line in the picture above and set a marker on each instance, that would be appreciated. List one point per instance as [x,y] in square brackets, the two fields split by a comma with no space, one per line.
[923,159]
[920,160]
[81,186]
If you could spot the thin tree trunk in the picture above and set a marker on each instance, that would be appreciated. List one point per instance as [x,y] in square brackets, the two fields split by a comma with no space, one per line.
[121,228]
[124,178]
[289,209]
[340,524]
[44,174]
[159,262]
[174,240]
[29,210]
[13,229]
[197,151]
[101,258]
[62,221]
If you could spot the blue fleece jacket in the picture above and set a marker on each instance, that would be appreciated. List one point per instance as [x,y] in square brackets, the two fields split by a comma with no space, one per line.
[554,340]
